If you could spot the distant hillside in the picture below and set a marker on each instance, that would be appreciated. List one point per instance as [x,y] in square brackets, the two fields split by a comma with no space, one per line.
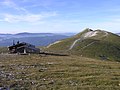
[38,39]
[118,34]
[32,34]
[95,44]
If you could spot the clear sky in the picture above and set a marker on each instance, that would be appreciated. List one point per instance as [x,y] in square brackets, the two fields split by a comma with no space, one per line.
[59,15]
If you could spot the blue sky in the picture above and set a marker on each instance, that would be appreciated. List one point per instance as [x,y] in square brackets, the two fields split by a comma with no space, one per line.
[59,15]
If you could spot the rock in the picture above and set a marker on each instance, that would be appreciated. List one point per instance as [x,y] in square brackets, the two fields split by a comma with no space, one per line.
[51,82]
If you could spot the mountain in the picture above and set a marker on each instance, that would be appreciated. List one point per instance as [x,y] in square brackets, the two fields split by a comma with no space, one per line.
[118,34]
[38,39]
[34,34]
[90,43]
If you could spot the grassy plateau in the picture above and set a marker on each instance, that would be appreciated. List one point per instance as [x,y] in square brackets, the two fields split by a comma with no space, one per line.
[35,72]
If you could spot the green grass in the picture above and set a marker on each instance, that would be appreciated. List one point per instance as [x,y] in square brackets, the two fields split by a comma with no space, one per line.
[103,46]
[99,48]
[58,73]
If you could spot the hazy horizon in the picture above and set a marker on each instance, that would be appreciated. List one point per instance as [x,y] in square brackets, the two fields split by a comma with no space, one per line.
[42,32]
[50,32]
[59,16]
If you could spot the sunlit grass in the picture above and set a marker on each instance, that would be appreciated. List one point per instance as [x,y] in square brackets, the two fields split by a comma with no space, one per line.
[58,73]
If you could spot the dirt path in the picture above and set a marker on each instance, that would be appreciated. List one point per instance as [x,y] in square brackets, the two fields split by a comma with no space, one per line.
[88,45]
[84,36]
[80,39]
[87,35]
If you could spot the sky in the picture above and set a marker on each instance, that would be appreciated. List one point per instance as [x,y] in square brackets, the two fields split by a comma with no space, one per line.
[59,16]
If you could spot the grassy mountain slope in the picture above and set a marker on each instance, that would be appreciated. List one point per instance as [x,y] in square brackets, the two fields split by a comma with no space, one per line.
[95,44]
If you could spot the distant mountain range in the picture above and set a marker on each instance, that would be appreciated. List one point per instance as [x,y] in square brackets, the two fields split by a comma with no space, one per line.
[38,39]
[90,43]
[118,34]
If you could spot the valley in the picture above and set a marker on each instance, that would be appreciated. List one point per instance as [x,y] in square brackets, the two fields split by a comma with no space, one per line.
[38,39]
